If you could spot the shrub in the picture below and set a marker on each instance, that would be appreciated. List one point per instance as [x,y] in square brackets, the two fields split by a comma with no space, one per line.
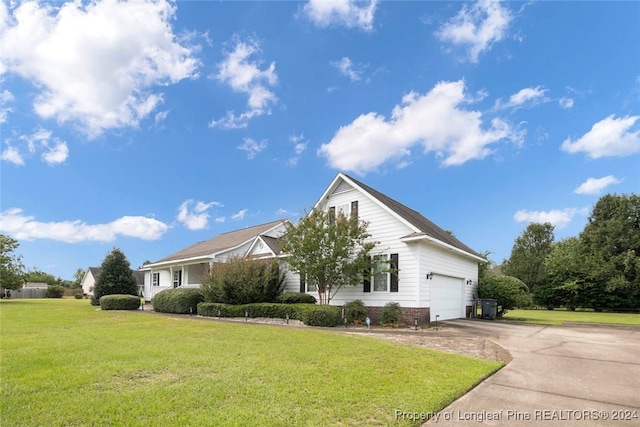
[296,298]
[390,314]
[510,292]
[78,296]
[119,302]
[244,281]
[309,314]
[55,291]
[180,301]
[355,311]
[321,315]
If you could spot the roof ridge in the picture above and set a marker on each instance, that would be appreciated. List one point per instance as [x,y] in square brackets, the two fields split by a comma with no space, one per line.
[432,229]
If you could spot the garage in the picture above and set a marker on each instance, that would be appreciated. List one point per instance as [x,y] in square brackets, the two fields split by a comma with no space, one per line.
[447,297]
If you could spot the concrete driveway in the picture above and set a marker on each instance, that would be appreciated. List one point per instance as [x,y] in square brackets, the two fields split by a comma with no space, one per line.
[559,376]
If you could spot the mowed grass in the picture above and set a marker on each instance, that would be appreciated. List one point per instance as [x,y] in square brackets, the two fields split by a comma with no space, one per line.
[560,316]
[66,363]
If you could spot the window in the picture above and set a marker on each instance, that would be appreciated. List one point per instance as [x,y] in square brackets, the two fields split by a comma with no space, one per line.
[155,279]
[384,274]
[306,287]
[177,278]
[347,209]
[380,274]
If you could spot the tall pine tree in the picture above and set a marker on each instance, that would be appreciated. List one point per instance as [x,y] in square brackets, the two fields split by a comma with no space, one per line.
[115,277]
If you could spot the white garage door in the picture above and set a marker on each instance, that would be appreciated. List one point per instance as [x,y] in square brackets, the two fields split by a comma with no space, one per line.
[447,298]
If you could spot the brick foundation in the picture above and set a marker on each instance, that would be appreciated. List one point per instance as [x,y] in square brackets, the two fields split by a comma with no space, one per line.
[409,314]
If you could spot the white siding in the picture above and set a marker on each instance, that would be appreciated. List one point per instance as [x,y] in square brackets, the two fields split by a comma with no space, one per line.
[88,283]
[386,229]
[447,263]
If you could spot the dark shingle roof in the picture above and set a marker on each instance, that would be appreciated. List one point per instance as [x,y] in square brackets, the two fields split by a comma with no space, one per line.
[221,242]
[416,219]
[273,243]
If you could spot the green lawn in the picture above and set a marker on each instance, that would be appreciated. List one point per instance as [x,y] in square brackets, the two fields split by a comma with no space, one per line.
[64,362]
[559,316]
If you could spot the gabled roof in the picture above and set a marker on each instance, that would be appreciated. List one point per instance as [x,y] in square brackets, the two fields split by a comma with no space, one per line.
[222,242]
[94,271]
[421,225]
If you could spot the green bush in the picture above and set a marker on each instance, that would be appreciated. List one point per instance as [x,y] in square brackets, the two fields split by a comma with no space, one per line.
[244,281]
[390,314]
[355,312]
[119,302]
[309,314]
[296,298]
[510,292]
[78,296]
[55,291]
[321,315]
[115,278]
[180,301]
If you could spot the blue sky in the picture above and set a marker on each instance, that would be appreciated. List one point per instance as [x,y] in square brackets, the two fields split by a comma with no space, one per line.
[151,125]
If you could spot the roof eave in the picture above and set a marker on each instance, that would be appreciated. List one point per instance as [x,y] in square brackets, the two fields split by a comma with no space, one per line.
[424,237]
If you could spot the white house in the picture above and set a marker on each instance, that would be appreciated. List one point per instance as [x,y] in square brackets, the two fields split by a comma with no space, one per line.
[89,280]
[187,267]
[434,274]
[437,274]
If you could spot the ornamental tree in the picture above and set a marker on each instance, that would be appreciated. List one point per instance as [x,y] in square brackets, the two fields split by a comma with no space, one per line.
[115,277]
[328,252]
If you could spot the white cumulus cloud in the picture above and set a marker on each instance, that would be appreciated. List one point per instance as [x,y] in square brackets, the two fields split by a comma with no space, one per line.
[560,218]
[565,102]
[596,185]
[348,69]
[437,120]
[95,64]
[245,76]
[477,27]
[609,137]
[193,214]
[528,96]
[52,150]
[24,227]
[6,98]
[347,13]
[252,147]
[12,155]
[240,214]
[56,154]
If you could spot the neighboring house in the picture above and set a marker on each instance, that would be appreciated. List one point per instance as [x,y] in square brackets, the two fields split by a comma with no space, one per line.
[89,280]
[437,274]
[35,285]
[186,268]
[91,275]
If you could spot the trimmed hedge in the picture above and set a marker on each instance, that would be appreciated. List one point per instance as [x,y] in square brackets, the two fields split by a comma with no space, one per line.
[119,302]
[78,296]
[309,314]
[296,298]
[179,301]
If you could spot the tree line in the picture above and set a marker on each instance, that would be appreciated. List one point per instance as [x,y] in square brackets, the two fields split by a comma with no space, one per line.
[599,269]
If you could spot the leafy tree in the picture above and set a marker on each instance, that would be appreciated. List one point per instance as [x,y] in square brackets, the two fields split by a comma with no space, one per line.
[528,254]
[77,277]
[510,292]
[329,252]
[115,277]
[11,268]
[36,275]
[612,237]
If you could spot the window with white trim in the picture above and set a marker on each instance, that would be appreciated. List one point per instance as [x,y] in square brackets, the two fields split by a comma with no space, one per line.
[380,274]
[155,279]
